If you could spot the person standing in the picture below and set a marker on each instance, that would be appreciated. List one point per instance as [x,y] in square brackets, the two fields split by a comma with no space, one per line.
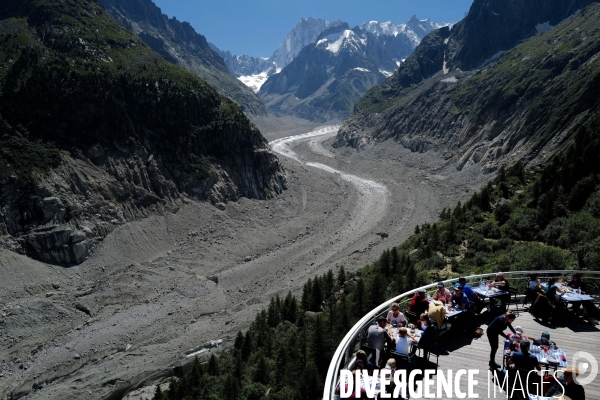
[378,336]
[496,328]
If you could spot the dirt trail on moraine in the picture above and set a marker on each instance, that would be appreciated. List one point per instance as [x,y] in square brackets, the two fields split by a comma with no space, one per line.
[146,289]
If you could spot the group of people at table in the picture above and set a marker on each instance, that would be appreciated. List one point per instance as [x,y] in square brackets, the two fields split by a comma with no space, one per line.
[551,298]
[393,335]
[519,354]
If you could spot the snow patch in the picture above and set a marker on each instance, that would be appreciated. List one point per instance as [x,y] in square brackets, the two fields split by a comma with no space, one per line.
[489,60]
[343,39]
[361,69]
[255,81]
[451,79]
[386,73]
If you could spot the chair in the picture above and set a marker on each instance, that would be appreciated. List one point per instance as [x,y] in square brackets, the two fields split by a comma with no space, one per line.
[411,316]
[402,361]
[372,355]
[513,292]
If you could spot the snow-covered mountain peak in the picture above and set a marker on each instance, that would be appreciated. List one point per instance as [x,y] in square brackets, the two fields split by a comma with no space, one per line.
[345,39]
[304,33]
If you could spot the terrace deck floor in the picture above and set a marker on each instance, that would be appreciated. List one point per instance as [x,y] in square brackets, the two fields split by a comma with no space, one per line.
[460,352]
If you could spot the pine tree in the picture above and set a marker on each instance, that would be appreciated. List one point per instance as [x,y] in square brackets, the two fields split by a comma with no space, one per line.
[359,296]
[247,346]
[317,295]
[239,341]
[341,277]
[384,262]
[213,365]
[231,388]
[158,395]
[329,284]
[311,386]
[307,295]
[261,373]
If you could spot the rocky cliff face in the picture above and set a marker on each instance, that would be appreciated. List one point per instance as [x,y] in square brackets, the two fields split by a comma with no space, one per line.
[523,106]
[96,129]
[179,43]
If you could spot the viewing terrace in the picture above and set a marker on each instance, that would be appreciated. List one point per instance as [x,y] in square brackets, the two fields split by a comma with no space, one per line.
[457,350]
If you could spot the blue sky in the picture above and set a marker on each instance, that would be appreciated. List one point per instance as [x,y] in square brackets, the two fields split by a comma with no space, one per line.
[257,27]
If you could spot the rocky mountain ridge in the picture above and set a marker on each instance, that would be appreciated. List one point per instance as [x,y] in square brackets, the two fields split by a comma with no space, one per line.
[524,105]
[96,129]
[179,43]
[329,76]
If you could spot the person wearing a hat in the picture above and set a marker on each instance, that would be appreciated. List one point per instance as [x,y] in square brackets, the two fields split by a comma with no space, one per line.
[567,386]
[544,340]
[517,337]
[378,336]
[459,298]
[419,303]
[442,294]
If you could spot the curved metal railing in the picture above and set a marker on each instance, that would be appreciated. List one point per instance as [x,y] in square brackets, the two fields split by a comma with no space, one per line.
[343,357]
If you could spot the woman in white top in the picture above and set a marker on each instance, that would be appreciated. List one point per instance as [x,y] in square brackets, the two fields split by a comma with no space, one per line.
[395,317]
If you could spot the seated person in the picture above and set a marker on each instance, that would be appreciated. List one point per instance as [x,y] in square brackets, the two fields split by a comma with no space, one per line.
[362,362]
[419,303]
[569,387]
[395,316]
[502,284]
[405,342]
[378,336]
[576,282]
[533,287]
[423,321]
[553,288]
[544,340]
[442,294]
[517,337]
[471,295]
[437,313]
[522,359]
[391,365]
[460,299]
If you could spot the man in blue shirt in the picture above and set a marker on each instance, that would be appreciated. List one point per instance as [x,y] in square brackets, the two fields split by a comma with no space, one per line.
[471,295]
[460,298]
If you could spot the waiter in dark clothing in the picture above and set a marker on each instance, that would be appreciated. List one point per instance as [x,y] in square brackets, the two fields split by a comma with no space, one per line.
[495,329]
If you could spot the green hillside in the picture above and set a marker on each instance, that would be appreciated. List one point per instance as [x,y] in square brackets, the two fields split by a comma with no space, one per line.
[72,77]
